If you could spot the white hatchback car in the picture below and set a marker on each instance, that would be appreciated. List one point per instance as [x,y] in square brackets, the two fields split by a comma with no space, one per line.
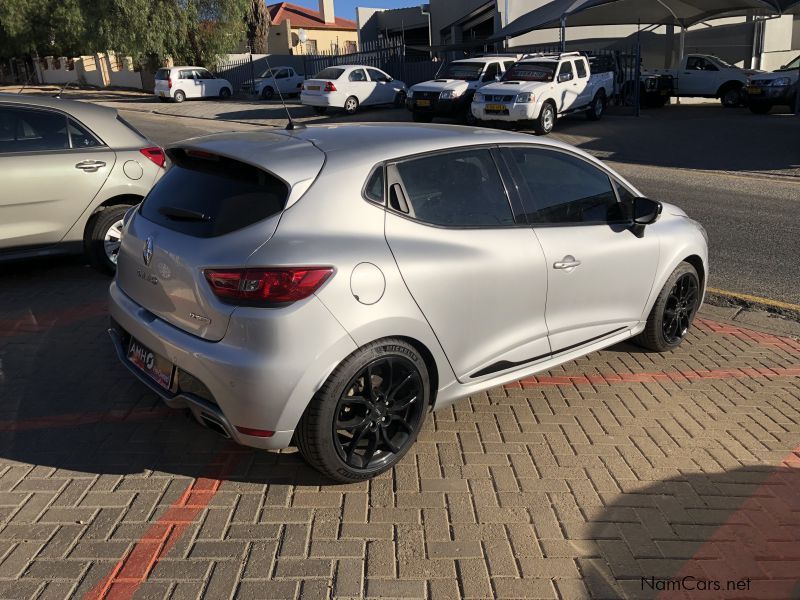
[180,83]
[352,86]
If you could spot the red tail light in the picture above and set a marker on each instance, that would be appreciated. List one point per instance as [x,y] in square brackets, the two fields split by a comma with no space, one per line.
[266,287]
[169,83]
[329,87]
[155,154]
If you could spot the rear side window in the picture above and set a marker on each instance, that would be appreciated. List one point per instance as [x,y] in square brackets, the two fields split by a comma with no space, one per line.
[23,130]
[162,74]
[330,73]
[207,196]
[456,189]
[581,67]
[374,189]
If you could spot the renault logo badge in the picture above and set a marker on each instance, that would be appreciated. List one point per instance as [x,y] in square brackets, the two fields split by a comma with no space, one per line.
[147,253]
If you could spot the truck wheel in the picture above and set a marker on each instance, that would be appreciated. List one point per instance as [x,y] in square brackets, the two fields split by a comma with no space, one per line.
[759,108]
[547,119]
[419,117]
[731,96]
[598,107]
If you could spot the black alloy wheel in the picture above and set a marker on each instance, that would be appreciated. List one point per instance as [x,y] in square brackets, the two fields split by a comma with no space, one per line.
[680,308]
[379,413]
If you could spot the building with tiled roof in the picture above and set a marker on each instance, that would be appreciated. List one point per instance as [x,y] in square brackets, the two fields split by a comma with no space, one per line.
[324,31]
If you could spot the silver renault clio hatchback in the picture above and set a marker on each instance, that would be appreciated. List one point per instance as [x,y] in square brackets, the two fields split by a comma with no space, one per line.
[328,286]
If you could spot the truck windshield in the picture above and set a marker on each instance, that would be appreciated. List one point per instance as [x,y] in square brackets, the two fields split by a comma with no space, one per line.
[531,71]
[463,71]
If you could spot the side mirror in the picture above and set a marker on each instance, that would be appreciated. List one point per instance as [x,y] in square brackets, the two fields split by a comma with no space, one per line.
[645,212]
[564,77]
[783,68]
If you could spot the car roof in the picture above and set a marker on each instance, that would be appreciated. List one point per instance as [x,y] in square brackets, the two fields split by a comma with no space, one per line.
[281,152]
[101,120]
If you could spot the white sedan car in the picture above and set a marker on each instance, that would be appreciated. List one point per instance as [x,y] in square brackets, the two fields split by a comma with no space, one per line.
[352,86]
[180,83]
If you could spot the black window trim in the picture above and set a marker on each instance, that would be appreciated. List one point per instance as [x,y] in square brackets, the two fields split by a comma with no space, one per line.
[382,202]
[516,209]
[602,168]
[67,117]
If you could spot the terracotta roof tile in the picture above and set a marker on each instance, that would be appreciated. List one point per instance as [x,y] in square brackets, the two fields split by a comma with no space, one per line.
[301,16]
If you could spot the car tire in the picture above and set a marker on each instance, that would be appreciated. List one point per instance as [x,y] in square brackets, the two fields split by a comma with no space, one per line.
[349,434]
[101,242]
[320,110]
[547,119]
[351,105]
[179,96]
[224,93]
[759,108]
[400,99]
[267,93]
[468,118]
[419,117]
[731,96]
[673,312]
[598,107]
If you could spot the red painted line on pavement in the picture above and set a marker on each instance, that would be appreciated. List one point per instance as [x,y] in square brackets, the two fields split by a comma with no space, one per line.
[676,376]
[748,335]
[30,323]
[760,541]
[78,419]
[133,569]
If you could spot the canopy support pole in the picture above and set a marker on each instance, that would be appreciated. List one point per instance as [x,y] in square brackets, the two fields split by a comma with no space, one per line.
[563,33]
[681,52]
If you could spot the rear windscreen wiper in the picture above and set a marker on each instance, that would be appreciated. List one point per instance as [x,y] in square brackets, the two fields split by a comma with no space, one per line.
[182,214]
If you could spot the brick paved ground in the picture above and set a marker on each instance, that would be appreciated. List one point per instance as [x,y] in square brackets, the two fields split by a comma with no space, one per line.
[575,484]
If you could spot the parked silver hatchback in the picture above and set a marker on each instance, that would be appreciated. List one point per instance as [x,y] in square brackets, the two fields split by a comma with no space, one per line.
[70,171]
[327,286]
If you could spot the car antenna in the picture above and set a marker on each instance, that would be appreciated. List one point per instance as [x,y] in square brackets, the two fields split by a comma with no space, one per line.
[24,85]
[63,87]
[291,125]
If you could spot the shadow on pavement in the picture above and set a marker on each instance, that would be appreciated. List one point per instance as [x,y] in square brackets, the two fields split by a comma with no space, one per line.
[689,536]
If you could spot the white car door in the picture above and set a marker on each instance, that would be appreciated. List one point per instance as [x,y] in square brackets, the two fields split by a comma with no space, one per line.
[209,84]
[485,295]
[384,91]
[360,86]
[599,272]
[189,83]
[568,89]
[586,92]
[700,77]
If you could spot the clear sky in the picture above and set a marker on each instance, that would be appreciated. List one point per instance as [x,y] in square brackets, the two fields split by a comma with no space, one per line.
[347,8]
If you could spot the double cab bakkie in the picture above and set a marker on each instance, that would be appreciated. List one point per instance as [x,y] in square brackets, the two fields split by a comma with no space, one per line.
[451,93]
[541,87]
[779,88]
[707,76]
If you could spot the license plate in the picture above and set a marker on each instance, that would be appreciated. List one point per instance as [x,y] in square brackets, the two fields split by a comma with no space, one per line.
[423,102]
[753,91]
[496,107]
[313,88]
[158,368]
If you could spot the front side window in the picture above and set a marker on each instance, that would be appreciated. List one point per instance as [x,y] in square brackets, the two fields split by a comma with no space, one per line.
[23,130]
[491,72]
[456,189]
[566,69]
[203,74]
[562,189]
[186,75]
[376,75]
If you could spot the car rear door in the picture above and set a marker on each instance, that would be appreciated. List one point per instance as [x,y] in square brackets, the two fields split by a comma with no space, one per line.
[52,168]
[475,271]
[585,89]
[600,274]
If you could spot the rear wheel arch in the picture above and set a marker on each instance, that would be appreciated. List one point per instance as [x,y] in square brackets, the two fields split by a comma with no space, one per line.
[430,363]
[126,199]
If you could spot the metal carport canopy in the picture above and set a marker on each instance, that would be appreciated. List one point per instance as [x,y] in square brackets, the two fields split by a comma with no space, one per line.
[630,12]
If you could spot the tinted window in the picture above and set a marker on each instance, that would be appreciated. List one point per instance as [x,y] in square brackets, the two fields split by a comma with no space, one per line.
[566,68]
[162,74]
[203,74]
[458,189]
[358,75]
[508,64]
[374,189]
[560,188]
[206,196]
[465,71]
[186,75]
[330,73]
[23,130]
[491,71]
[581,67]
[531,71]
[80,136]
[376,75]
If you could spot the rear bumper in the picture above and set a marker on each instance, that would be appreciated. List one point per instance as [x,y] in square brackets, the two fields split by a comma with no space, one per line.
[261,375]
[313,100]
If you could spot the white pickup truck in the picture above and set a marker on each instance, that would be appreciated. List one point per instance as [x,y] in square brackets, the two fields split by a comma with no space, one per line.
[285,80]
[706,76]
[540,88]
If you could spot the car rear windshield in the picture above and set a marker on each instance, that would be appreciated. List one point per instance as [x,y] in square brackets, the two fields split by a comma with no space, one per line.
[531,71]
[204,195]
[330,73]
[162,74]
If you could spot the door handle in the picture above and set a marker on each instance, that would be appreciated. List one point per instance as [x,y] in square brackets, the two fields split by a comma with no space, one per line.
[568,263]
[90,166]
